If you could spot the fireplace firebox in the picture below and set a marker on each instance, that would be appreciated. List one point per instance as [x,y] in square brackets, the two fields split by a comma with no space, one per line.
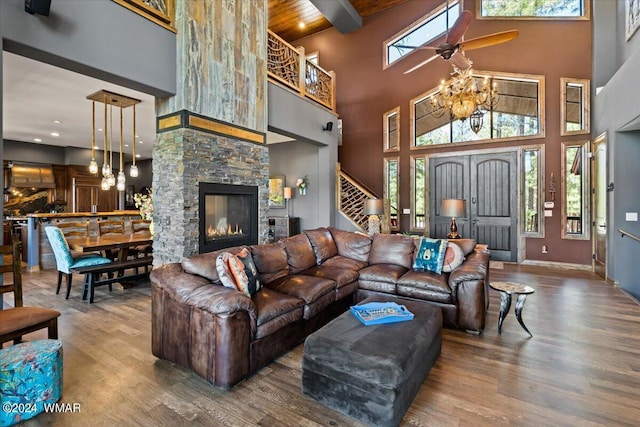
[228,216]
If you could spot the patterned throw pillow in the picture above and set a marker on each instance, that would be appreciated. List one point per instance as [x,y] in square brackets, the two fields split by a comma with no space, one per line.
[224,271]
[430,255]
[250,271]
[453,257]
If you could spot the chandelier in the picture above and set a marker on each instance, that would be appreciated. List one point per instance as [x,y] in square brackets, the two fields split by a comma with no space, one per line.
[110,99]
[463,99]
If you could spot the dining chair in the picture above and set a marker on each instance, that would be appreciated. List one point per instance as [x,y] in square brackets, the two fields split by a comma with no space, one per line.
[140,226]
[111,227]
[65,262]
[19,320]
[74,228]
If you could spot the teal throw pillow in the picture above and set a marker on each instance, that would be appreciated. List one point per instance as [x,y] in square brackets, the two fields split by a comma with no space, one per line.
[430,255]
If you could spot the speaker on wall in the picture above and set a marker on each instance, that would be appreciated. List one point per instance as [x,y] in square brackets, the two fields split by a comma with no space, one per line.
[40,7]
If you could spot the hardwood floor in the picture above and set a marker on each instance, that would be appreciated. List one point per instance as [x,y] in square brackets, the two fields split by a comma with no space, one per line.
[582,366]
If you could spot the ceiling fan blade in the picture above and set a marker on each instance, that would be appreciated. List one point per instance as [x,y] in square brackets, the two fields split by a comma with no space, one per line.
[489,40]
[458,29]
[421,64]
[460,61]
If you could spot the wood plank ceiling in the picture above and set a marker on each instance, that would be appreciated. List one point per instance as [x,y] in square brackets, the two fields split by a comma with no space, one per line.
[286,15]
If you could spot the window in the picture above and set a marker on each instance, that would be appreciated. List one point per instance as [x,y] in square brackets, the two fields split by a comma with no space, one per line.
[420,32]
[418,192]
[574,106]
[391,131]
[541,9]
[518,113]
[392,189]
[575,196]
[532,168]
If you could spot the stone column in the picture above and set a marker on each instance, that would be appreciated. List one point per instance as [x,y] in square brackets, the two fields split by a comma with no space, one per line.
[213,129]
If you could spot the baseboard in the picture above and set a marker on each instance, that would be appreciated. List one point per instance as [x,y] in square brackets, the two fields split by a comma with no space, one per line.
[554,264]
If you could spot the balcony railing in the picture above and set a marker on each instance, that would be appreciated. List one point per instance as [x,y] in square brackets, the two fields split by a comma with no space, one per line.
[284,65]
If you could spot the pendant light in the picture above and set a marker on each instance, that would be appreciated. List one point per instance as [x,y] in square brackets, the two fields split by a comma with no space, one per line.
[121,178]
[106,168]
[93,165]
[111,179]
[133,171]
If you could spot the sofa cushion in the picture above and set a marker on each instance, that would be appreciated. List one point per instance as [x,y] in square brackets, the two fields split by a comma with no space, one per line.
[381,277]
[425,285]
[316,292]
[323,244]
[342,262]
[341,276]
[453,257]
[300,254]
[204,265]
[391,249]
[271,261]
[351,245]
[275,310]
[467,245]
[430,254]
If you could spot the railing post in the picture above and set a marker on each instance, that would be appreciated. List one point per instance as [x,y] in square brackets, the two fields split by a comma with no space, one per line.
[338,187]
[302,71]
[333,90]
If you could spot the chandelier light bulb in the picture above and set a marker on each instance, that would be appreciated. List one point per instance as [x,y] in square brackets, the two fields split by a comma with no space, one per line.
[121,181]
[111,179]
[93,167]
[105,183]
[133,171]
[106,170]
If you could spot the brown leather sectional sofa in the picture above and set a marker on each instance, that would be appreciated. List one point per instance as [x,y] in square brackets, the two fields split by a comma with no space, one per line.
[308,279]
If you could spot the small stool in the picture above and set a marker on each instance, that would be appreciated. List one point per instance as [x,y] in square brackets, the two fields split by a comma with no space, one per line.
[506,289]
[30,377]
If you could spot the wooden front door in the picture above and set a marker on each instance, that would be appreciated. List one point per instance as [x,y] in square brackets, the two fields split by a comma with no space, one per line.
[488,182]
[599,204]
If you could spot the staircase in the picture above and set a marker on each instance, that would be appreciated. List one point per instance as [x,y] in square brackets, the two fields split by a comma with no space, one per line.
[350,201]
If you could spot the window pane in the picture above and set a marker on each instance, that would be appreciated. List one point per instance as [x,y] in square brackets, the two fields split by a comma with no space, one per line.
[531,189]
[392,189]
[422,34]
[539,8]
[419,186]
[573,182]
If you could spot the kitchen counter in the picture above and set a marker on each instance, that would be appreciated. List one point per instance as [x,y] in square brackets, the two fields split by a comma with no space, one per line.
[83,214]
[40,254]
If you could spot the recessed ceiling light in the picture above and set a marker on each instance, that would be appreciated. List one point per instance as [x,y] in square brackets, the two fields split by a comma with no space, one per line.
[137,136]
[140,142]
[55,134]
[301,25]
[126,145]
[99,129]
[57,122]
[137,156]
[37,140]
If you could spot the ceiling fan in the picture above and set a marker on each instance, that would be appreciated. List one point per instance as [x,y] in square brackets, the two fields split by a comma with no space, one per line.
[452,48]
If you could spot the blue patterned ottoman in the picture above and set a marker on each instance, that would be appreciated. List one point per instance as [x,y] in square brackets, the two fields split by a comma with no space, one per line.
[30,377]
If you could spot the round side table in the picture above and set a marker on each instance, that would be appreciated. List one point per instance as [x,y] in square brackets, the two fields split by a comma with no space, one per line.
[507,289]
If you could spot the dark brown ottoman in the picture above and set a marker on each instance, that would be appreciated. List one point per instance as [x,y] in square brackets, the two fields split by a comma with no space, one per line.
[372,373]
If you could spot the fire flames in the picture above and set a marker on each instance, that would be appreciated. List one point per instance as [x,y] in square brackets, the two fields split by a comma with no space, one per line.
[214,233]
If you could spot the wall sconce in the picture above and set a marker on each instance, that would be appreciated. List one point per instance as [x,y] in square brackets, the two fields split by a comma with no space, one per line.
[328,127]
[288,195]
[373,208]
[453,208]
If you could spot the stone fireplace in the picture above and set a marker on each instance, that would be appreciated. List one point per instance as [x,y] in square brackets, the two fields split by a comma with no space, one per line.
[228,216]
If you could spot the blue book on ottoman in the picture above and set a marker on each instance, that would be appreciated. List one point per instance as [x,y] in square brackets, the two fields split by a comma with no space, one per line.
[375,313]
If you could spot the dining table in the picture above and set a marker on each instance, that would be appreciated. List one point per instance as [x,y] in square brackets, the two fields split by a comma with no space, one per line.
[115,243]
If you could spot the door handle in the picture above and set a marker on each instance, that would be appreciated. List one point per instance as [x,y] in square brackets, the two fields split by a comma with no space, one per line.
[603,226]
[473,200]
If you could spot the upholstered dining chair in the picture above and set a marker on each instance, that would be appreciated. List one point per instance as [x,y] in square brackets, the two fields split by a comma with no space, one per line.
[19,320]
[65,262]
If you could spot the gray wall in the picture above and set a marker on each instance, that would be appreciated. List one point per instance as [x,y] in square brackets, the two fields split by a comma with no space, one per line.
[617,105]
[303,120]
[98,38]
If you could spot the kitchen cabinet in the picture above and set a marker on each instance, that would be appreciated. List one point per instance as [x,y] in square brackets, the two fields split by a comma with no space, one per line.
[87,192]
[58,195]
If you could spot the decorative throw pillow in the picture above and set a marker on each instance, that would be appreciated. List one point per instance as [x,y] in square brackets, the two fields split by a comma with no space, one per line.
[453,257]
[250,271]
[431,255]
[224,271]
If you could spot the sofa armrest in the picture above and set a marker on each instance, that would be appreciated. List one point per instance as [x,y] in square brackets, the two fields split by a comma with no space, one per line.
[201,326]
[468,284]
